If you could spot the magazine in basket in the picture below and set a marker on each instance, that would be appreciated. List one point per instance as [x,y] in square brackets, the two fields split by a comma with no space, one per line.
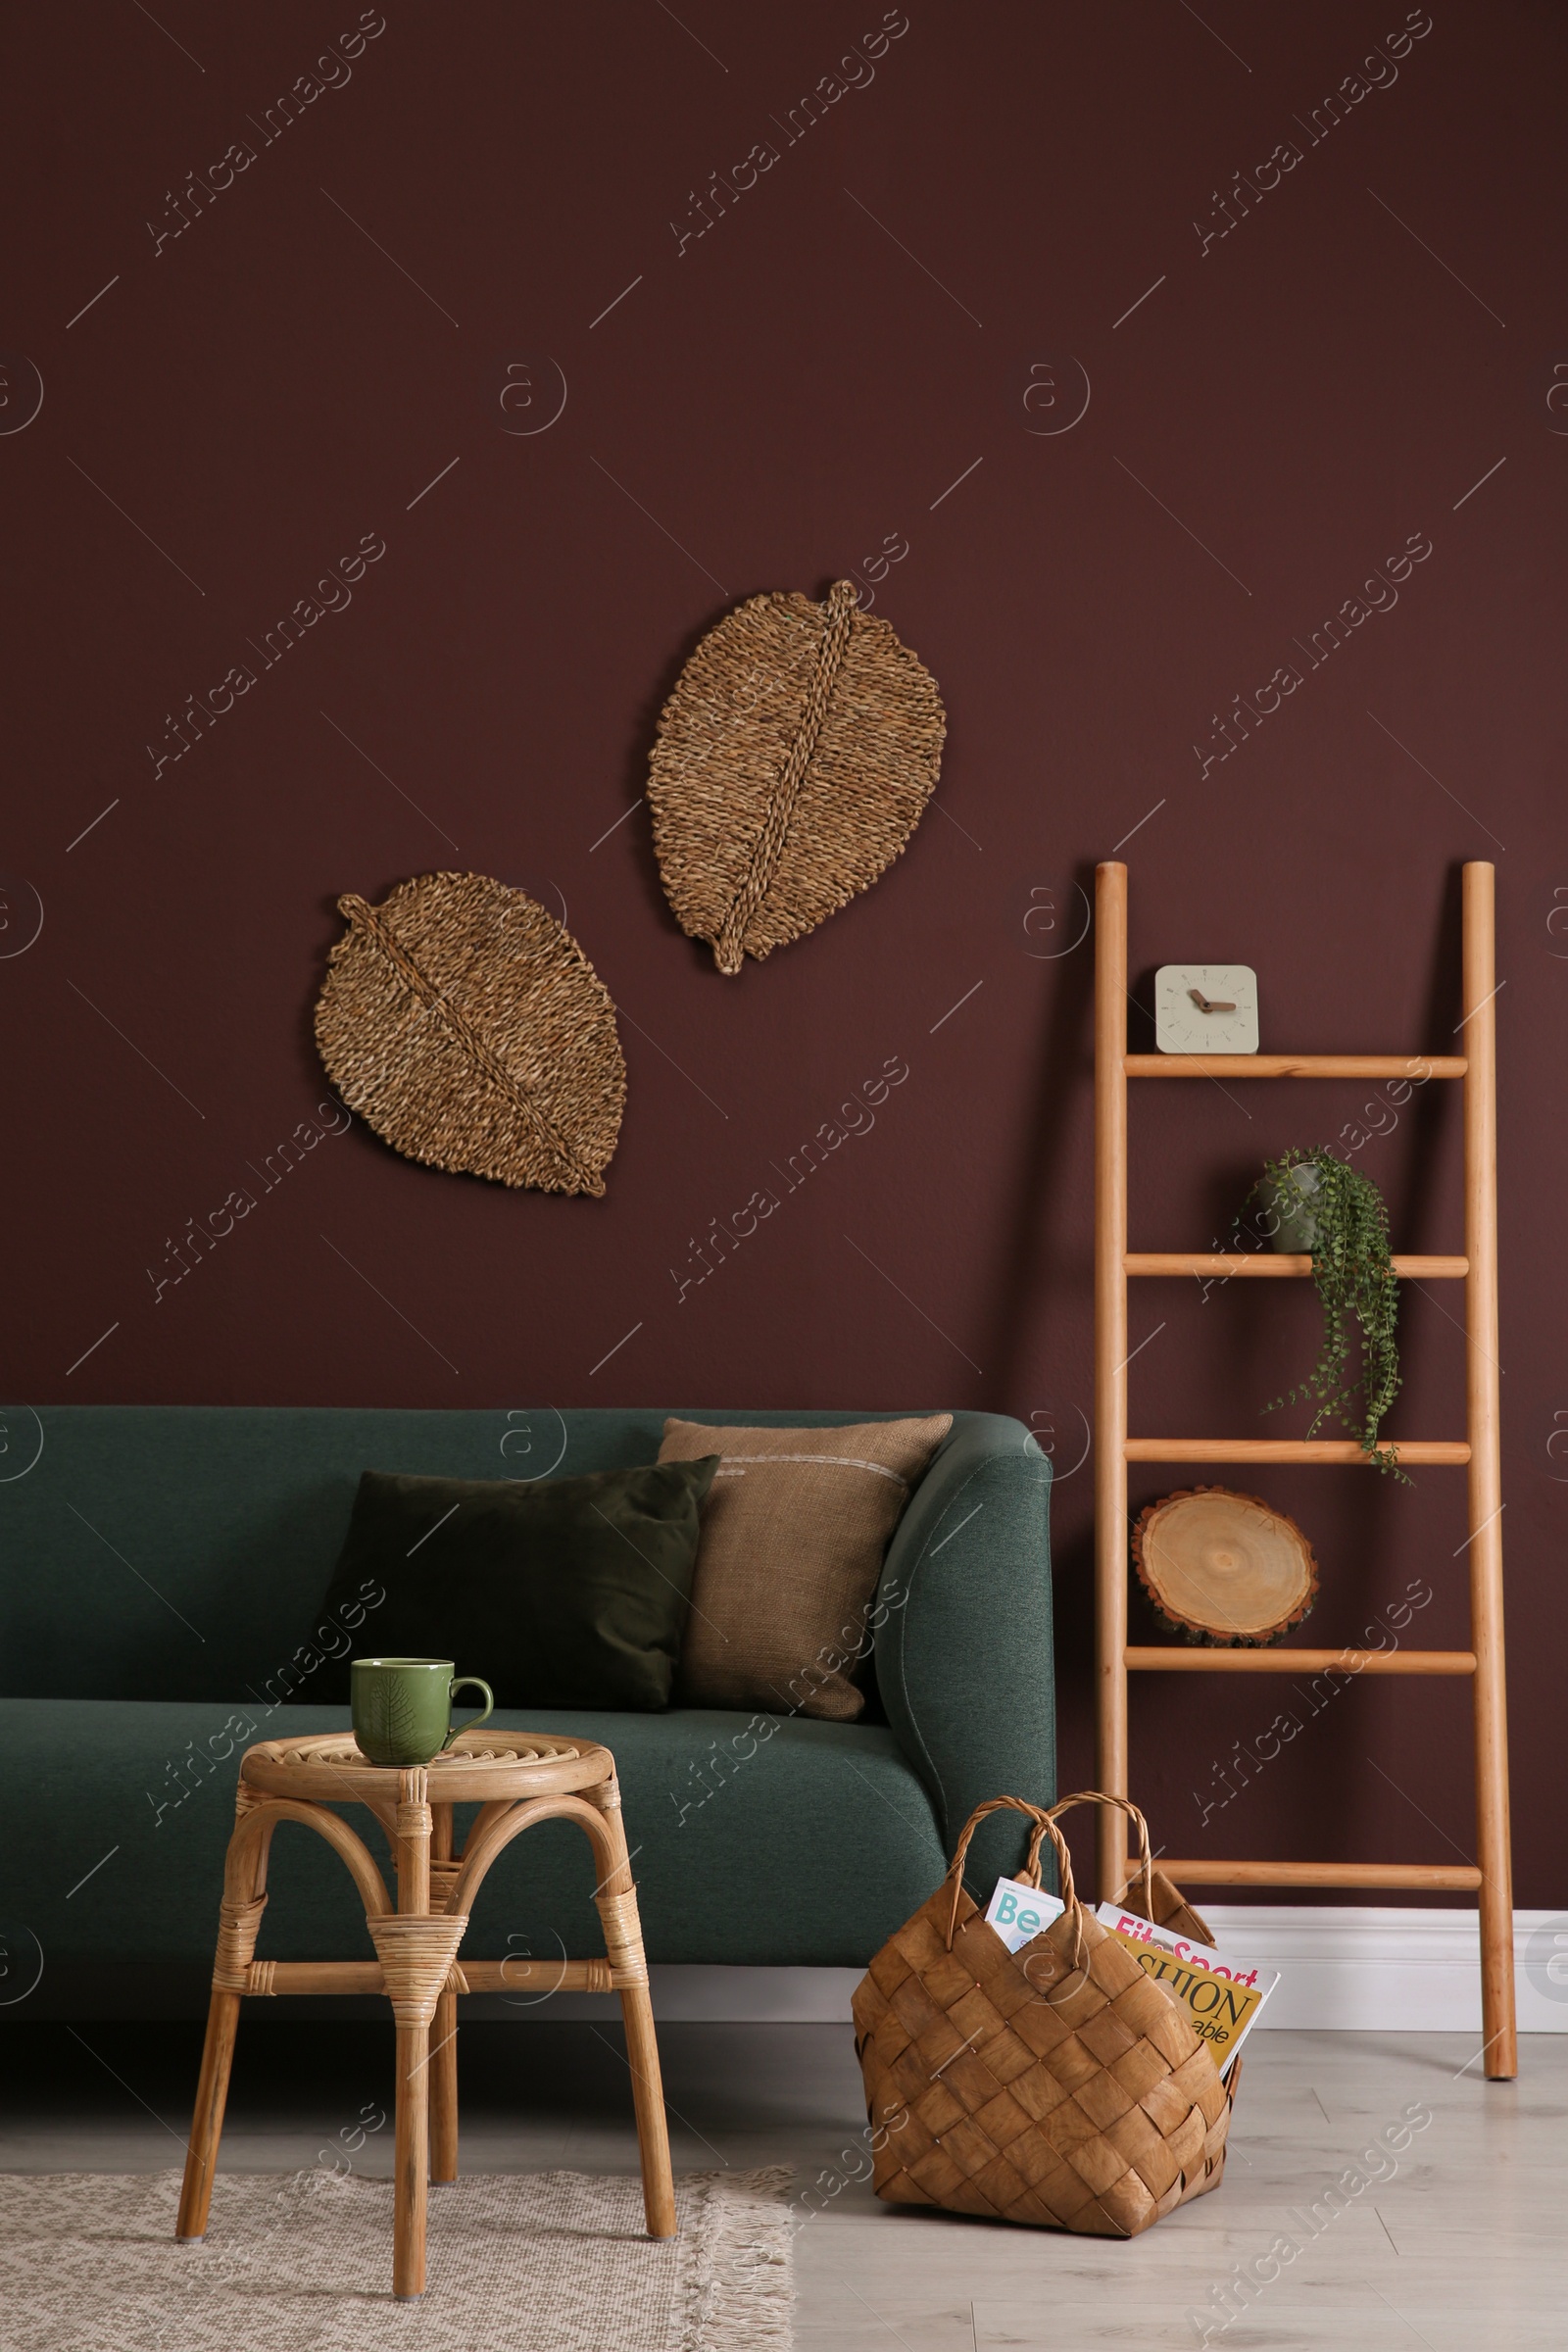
[1220,1996]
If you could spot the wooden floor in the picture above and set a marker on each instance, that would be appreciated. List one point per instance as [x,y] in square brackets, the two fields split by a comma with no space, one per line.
[1462,2249]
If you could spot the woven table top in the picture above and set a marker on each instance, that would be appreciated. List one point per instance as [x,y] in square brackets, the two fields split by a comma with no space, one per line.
[479,1767]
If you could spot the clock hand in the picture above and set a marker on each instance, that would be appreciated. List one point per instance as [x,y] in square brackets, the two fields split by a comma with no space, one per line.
[1205,1006]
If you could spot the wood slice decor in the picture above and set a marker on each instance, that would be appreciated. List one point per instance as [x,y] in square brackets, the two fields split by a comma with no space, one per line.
[793,762]
[1222,1567]
[470,1031]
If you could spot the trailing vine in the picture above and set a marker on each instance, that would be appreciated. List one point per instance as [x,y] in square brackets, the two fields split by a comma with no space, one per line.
[1354,1278]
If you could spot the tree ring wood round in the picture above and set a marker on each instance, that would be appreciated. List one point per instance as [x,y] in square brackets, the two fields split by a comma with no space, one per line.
[1223,1567]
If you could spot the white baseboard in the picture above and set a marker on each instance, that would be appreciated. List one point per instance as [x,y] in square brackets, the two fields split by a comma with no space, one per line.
[1353,1969]
[1362,1969]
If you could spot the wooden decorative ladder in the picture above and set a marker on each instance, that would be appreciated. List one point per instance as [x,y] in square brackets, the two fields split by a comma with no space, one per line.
[1483,1662]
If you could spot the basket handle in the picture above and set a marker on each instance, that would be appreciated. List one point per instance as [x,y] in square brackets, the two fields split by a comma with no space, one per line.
[1098,1796]
[1044,1826]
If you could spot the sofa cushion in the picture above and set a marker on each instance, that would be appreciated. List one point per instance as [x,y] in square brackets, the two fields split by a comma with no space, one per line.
[560,1592]
[755,1840]
[795,1532]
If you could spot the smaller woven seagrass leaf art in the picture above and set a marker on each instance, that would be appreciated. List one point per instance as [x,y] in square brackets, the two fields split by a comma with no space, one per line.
[463,1024]
[792,764]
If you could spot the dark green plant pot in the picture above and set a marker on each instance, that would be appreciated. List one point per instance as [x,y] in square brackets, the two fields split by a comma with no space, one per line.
[1296,1230]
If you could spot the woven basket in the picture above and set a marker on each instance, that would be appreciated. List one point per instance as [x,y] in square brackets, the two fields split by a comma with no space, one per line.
[1058,2085]
[1159,1900]
[794,760]
[470,1031]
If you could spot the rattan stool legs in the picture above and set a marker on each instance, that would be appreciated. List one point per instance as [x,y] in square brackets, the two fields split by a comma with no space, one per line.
[417,1943]
[212,2097]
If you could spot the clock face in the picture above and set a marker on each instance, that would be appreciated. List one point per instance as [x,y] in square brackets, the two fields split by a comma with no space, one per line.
[1206,1008]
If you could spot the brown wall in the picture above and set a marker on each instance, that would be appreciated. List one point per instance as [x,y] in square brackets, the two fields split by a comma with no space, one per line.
[772,403]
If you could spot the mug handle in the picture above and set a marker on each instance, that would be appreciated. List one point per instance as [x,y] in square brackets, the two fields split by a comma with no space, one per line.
[469,1682]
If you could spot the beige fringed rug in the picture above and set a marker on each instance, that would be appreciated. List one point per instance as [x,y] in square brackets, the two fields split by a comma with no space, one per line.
[519,2261]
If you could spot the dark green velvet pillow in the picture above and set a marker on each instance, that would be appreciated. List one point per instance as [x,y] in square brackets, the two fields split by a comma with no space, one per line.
[562,1592]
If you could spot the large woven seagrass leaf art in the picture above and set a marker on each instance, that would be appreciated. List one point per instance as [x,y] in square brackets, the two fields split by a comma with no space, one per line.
[463,1024]
[792,764]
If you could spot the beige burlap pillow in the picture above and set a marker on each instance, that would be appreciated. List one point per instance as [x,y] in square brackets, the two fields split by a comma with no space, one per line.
[793,1537]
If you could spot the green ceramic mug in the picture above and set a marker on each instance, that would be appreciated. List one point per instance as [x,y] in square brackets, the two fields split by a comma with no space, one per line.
[403,1708]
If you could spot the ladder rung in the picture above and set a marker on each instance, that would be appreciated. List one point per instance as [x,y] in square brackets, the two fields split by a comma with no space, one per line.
[1434,1875]
[1171,1660]
[1417,1067]
[1277,1264]
[1282,1450]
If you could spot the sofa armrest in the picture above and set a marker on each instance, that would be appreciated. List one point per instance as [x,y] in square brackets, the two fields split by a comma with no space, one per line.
[963,1643]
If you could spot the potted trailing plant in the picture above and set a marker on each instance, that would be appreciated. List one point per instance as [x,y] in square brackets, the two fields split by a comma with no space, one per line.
[1325,1208]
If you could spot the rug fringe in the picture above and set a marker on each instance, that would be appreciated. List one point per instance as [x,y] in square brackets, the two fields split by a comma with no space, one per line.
[739,2287]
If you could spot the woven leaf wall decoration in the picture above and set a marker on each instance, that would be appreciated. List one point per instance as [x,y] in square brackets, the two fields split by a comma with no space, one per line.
[470,1031]
[793,762]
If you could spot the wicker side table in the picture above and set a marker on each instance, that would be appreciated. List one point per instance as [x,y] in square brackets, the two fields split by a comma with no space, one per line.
[516,1780]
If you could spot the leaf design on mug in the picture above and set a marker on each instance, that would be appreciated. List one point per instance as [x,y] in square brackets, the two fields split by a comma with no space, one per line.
[391,1723]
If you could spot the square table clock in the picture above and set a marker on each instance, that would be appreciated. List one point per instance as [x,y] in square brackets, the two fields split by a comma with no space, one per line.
[1206,1008]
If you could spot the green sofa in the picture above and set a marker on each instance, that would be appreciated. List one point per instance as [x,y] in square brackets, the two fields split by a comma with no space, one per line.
[161,1575]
